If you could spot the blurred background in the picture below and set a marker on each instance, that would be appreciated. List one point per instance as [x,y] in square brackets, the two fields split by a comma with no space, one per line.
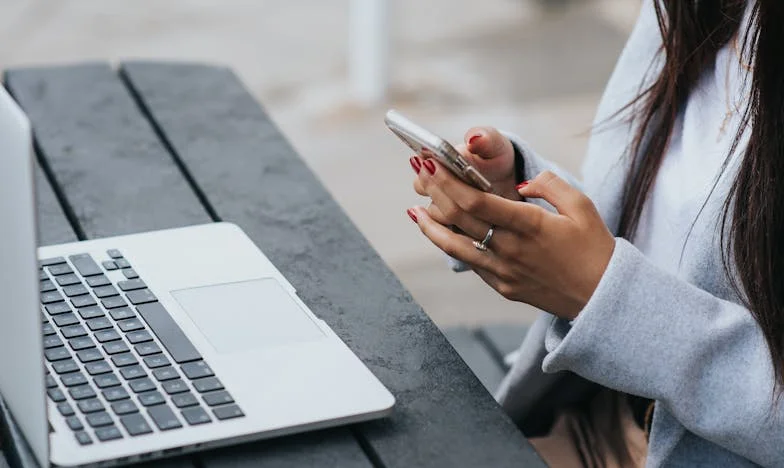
[327,70]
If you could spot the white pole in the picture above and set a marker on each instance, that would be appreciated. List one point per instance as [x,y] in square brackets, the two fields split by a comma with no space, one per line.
[368,51]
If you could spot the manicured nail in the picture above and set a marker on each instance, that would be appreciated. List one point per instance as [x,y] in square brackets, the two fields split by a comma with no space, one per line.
[430,166]
[412,215]
[521,185]
[474,138]
[415,164]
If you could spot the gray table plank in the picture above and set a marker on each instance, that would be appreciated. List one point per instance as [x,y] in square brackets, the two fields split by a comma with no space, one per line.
[443,417]
[117,177]
[478,358]
[53,226]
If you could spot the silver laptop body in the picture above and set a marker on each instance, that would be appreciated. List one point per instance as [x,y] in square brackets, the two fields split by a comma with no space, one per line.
[229,344]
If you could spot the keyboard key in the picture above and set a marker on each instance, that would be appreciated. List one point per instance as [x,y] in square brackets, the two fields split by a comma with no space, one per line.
[139,336]
[218,398]
[146,349]
[78,344]
[196,370]
[115,394]
[131,285]
[116,347]
[122,313]
[207,385]
[164,417]
[82,392]
[100,323]
[122,263]
[151,398]
[42,275]
[228,412]
[50,261]
[173,387]
[83,438]
[50,381]
[109,265]
[170,334]
[61,269]
[65,409]
[65,367]
[114,253]
[196,416]
[141,385]
[96,281]
[48,329]
[99,419]
[114,302]
[75,290]
[58,308]
[85,265]
[135,424]
[52,341]
[184,400]
[90,406]
[108,433]
[107,335]
[57,354]
[141,296]
[124,407]
[73,379]
[63,320]
[89,355]
[96,368]
[74,423]
[68,280]
[133,372]
[51,297]
[124,359]
[56,395]
[166,373]
[130,325]
[47,285]
[90,312]
[83,301]
[105,291]
[73,331]
[130,273]
[106,381]
[158,360]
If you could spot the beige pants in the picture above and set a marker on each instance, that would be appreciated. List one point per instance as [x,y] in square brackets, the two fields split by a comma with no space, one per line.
[573,443]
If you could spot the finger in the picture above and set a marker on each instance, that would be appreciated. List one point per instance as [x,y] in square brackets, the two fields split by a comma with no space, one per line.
[419,188]
[450,214]
[557,192]
[487,142]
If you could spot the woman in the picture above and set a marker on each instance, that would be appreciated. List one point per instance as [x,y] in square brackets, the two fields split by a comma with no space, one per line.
[663,270]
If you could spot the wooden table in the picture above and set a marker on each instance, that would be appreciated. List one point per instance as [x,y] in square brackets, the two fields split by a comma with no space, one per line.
[156,145]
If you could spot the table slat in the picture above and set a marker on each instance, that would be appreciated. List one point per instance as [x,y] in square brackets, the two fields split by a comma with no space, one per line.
[444,416]
[53,226]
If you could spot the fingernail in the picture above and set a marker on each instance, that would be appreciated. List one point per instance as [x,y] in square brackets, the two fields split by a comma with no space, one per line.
[521,185]
[415,164]
[474,138]
[412,215]
[430,166]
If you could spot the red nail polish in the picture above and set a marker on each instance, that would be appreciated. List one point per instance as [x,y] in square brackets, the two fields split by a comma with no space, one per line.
[521,185]
[430,166]
[474,138]
[412,215]
[415,164]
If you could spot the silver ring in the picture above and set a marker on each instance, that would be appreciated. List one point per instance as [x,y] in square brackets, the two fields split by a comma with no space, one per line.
[482,246]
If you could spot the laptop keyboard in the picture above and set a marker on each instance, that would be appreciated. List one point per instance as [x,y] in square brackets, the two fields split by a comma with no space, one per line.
[117,364]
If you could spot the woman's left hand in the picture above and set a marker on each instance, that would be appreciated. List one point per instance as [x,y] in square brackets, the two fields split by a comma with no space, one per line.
[553,261]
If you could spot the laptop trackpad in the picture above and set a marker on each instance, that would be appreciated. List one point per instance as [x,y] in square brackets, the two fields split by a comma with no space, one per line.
[248,315]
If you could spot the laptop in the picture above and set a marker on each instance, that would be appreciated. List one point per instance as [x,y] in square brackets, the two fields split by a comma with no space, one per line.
[131,348]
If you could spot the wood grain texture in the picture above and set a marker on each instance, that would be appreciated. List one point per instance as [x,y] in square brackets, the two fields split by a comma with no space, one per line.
[251,176]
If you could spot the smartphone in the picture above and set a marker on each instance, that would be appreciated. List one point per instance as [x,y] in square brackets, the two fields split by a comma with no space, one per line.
[428,145]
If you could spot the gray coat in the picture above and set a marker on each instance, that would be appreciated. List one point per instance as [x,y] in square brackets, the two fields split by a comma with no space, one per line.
[682,340]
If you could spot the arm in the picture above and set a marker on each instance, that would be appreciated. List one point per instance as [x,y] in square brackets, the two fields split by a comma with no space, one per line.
[648,333]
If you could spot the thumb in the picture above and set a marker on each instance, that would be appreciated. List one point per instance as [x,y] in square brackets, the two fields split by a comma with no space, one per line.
[554,190]
[487,143]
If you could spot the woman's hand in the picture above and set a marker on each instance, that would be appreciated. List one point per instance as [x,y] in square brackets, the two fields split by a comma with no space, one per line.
[553,261]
